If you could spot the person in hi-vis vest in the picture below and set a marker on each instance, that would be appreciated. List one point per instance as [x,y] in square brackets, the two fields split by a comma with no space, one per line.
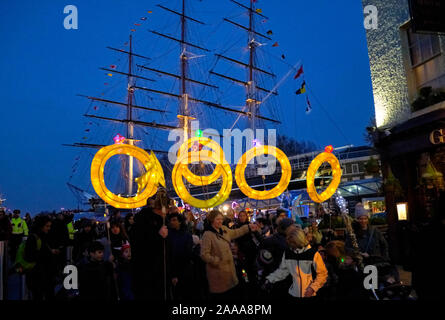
[19,230]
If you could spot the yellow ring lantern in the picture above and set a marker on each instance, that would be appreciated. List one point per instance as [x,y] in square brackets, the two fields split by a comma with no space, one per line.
[222,170]
[286,172]
[147,183]
[312,170]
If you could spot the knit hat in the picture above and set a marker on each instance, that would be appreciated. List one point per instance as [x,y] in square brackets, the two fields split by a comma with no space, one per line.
[360,211]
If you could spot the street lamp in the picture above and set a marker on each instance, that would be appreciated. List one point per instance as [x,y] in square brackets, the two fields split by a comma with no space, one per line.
[402,211]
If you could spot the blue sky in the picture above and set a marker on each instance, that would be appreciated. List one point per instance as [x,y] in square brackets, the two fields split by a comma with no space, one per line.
[43,67]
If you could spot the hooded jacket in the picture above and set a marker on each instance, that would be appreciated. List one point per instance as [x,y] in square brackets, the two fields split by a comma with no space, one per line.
[217,254]
[306,268]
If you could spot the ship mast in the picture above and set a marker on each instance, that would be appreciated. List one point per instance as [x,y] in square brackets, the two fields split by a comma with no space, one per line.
[251,103]
[251,107]
[130,125]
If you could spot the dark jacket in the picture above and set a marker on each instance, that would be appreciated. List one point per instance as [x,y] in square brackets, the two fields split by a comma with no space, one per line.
[82,240]
[149,252]
[370,241]
[96,281]
[5,228]
[182,251]
[275,245]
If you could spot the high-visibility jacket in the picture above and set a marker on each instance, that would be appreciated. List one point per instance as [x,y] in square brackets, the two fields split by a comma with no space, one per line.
[19,226]
[71,230]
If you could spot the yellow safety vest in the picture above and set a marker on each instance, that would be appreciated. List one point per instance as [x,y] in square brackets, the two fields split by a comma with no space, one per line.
[71,230]
[19,226]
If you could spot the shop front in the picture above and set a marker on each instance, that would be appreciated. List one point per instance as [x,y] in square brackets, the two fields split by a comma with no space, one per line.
[413,162]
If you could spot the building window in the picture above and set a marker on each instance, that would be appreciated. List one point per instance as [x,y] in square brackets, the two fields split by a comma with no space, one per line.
[355,168]
[422,47]
[424,50]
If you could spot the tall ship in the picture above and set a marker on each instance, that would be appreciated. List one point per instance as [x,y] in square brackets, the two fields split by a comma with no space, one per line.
[190,78]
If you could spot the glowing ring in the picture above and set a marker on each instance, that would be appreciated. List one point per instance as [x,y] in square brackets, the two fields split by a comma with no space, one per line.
[286,173]
[222,170]
[312,170]
[147,184]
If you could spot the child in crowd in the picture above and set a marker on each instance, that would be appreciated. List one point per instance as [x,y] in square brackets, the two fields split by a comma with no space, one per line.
[96,278]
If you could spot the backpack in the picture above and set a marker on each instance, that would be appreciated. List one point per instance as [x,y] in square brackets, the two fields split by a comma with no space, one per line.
[20,261]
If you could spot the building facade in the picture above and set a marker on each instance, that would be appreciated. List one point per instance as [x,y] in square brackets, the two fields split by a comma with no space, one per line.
[408,79]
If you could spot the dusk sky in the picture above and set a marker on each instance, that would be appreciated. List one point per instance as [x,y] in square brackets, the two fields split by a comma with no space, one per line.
[43,66]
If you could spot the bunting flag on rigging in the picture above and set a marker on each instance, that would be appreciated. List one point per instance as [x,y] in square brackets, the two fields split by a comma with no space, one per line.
[113,66]
[269,32]
[137,24]
[309,107]
[259,10]
[106,83]
[299,73]
[283,56]
[149,11]
[302,89]
[264,21]
[144,18]
[275,44]
[109,74]
[133,30]
[95,107]
[87,130]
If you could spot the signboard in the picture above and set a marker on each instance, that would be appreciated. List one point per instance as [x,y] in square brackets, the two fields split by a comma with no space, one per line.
[427,16]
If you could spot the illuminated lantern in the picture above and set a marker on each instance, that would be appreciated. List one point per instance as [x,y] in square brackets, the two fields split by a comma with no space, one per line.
[222,169]
[286,172]
[147,183]
[330,158]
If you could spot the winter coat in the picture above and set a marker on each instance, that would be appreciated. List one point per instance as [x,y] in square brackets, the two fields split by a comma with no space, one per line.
[370,241]
[181,242]
[272,247]
[5,228]
[306,268]
[96,281]
[149,250]
[216,252]
[82,240]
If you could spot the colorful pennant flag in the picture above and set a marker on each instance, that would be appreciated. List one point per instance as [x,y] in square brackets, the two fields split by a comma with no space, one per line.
[109,74]
[259,10]
[150,11]
[87,130]
[264,21]
[275,44]
[137,24]
[133,30]
[144,18]
[113,66]
[299,73]
[309,107]
[283,56]
[269,32]
[95,107]
[302,89]
[106,83]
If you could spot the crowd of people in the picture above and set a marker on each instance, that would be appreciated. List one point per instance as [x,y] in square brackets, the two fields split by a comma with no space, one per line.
[161,254]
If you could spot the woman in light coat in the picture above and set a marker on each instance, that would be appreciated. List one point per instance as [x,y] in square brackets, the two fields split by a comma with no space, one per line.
[216,253]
